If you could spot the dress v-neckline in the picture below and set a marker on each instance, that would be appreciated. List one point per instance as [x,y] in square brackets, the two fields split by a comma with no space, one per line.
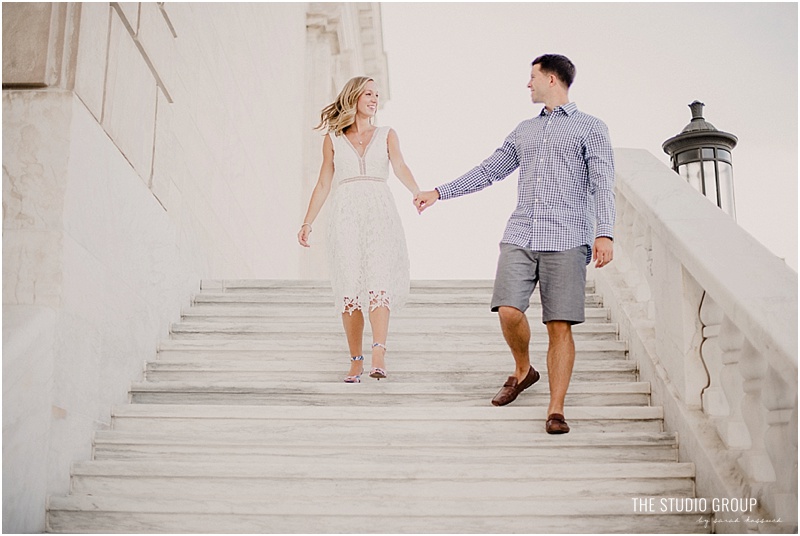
[353,147]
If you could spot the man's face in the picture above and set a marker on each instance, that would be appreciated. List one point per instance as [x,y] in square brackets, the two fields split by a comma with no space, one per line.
[539,84]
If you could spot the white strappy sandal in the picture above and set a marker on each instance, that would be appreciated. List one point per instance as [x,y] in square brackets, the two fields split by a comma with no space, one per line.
[355,378]
[377,372]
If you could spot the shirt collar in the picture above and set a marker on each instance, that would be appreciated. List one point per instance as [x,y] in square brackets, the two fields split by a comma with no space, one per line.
[569,109]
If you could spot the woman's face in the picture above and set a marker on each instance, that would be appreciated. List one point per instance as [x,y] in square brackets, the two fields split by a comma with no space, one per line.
[368,101]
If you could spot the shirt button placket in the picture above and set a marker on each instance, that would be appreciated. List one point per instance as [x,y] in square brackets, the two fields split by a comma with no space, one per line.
[544,143]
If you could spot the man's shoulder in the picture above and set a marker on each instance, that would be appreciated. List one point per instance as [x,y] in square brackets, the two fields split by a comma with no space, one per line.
[520,131]
[577,117]
[588,119]
[526,124]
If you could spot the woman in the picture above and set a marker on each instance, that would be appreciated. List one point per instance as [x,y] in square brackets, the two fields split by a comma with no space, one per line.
[367,252]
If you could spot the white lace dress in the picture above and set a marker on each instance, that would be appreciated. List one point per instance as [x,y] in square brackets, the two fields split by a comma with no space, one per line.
[367,252]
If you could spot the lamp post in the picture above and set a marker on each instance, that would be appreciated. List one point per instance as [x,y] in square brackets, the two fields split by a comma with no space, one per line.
[701,154]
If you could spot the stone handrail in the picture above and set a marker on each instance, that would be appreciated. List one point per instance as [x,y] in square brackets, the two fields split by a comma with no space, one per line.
[711,316]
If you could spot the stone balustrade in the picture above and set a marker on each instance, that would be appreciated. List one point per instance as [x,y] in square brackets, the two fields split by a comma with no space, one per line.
[711,316]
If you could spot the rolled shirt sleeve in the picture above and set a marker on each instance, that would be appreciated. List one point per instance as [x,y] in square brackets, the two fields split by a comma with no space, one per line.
[497,167]
[600,163]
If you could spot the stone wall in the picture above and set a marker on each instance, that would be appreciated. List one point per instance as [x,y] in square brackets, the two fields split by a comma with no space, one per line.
[145,146]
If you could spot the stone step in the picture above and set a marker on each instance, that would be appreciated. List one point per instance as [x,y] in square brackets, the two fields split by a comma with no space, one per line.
[300,285]
[585,448]
[396,376]
[327,342]
[421,331]
[373,392]
[316,423]
[404,369]
[326,315]
[343,514]
[420,469]
[408,363]
[441,360]
[275,489]
[315,339]
[417,479]
[326,310]
[243,425]
[260,349]
[315,298]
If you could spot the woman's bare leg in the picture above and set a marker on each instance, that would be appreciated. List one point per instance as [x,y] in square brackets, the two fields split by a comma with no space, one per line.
[379,320]
[354,330]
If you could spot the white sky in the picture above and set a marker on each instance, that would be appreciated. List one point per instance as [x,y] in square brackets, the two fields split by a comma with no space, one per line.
[458,75]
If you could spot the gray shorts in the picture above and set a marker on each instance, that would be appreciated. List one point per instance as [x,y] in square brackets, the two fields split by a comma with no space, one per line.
[561,275]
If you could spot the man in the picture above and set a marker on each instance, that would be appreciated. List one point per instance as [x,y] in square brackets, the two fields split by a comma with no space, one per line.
[563,220]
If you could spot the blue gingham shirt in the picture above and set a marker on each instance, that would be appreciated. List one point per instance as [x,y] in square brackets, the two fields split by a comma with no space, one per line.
[566,180]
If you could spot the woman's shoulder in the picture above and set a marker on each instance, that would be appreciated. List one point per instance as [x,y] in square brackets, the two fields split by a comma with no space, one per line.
[329,140]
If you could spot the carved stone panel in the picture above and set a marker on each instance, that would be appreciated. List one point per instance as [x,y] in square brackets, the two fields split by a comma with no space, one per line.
[26,43]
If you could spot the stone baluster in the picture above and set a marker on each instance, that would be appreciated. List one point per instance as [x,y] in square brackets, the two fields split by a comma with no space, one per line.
[780,400]
[732,429]
[715,405]
[755,462]
[697,377]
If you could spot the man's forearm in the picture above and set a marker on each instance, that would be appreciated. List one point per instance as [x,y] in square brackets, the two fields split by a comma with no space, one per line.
[497,167]
[605,212]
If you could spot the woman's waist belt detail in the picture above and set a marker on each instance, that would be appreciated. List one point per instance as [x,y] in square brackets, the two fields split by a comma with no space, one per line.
[362,178]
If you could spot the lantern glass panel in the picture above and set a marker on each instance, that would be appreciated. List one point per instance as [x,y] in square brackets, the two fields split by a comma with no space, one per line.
[691,174]
[708,154]
[726,188]
[688,156]
[710,179]
[723,154]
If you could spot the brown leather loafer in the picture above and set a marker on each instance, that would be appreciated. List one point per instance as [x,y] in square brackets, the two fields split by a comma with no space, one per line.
[511,389]
[556,424]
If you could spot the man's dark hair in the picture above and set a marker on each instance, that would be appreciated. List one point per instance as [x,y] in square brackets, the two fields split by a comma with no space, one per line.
[558,65]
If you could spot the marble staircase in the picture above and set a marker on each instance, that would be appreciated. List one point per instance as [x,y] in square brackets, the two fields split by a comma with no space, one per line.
[243,425]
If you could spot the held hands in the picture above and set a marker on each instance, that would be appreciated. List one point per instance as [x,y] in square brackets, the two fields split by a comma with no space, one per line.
[425,199]
[302,235]
[603,251]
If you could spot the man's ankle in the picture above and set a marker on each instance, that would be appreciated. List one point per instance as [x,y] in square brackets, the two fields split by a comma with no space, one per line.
[521,373]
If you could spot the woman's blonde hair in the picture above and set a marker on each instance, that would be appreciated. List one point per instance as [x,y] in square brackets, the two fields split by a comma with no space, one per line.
[341,113]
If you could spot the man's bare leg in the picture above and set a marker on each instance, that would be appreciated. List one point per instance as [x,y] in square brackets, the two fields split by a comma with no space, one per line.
[560,359]
[517,333]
